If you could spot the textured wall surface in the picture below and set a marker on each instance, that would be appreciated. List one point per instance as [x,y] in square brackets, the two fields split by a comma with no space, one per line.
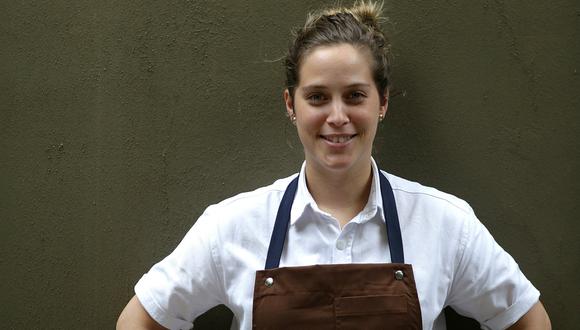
[120,121]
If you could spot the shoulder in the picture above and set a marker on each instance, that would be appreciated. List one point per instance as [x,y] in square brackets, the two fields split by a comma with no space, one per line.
[248,212]
[254,200]
[413,194]
[237,230]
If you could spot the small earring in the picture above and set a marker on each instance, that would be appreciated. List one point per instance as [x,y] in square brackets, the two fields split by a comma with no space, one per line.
[293,119]
[381,116]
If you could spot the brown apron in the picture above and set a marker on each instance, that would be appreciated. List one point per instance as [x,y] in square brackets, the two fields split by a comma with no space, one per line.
[342,296]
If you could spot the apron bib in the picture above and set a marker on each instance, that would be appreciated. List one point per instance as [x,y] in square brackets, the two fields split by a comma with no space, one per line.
[339,296]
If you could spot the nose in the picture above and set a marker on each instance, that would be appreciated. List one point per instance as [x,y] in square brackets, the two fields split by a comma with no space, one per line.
[338,115]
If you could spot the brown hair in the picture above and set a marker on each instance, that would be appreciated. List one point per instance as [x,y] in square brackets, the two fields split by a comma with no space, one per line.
[357,25]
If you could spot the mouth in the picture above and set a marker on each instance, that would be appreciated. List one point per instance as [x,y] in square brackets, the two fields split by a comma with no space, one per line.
[338,138]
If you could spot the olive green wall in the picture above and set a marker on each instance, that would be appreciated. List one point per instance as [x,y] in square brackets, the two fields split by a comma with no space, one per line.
[121,121]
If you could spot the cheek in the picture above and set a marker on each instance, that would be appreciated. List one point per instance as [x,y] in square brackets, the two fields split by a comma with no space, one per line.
[310,120]
[307,127]
[366,123]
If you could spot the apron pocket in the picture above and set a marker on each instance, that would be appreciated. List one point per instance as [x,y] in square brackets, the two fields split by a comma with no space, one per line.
[371,312]
[312,310]
[380,304]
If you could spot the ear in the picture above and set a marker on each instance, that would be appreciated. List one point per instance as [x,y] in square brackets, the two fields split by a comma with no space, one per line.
[289,102]
[384,103]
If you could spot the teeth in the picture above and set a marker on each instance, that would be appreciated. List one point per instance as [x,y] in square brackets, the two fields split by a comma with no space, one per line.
[339,139]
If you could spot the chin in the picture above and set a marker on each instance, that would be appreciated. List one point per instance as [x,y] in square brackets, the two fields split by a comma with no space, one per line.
[339,163]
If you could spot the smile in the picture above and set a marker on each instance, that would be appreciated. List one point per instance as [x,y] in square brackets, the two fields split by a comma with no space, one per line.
[338,138]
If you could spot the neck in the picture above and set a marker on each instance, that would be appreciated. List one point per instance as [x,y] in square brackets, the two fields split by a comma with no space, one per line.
[342,194]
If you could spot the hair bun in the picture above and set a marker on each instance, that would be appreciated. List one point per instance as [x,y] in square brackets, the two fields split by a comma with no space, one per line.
[368,13]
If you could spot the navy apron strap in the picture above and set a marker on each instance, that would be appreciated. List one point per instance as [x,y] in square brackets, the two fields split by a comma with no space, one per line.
[283,220]
[281,226]
[392,221]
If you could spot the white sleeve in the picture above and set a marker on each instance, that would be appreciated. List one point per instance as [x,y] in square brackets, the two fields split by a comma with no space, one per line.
[488,284]
[186,283]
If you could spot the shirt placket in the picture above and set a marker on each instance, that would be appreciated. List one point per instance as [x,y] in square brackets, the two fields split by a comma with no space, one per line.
[342,250]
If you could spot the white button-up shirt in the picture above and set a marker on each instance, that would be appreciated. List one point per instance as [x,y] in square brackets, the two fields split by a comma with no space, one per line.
[455,260]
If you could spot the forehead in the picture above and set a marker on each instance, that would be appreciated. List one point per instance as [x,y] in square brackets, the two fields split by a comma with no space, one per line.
[336,64]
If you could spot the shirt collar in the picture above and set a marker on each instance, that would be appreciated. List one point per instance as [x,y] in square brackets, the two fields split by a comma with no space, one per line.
[305,206]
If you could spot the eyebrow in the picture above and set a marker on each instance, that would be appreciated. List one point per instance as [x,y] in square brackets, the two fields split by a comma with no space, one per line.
[318,87]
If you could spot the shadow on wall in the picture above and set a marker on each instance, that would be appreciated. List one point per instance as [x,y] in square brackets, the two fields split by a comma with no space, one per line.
[220,318]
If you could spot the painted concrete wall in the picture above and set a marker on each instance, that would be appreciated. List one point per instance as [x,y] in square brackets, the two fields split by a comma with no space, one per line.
[121,121]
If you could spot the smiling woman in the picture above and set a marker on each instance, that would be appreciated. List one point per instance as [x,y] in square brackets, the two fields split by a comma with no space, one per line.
[336,107]
[341,243]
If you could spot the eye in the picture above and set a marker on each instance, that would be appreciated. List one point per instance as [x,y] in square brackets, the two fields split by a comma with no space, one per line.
[316,98]
[356,97]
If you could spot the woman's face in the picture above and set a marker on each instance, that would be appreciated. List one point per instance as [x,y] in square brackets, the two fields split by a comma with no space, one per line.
[337,108]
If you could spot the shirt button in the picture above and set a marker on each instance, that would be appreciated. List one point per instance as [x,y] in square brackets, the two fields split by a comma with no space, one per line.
[340,245]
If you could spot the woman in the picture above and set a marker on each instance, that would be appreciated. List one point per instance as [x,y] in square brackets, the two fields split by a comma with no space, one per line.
[342,244]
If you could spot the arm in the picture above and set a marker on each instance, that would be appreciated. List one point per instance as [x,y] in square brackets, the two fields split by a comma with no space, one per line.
[490,287]
[134,316]
[535,319]
[182,286]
